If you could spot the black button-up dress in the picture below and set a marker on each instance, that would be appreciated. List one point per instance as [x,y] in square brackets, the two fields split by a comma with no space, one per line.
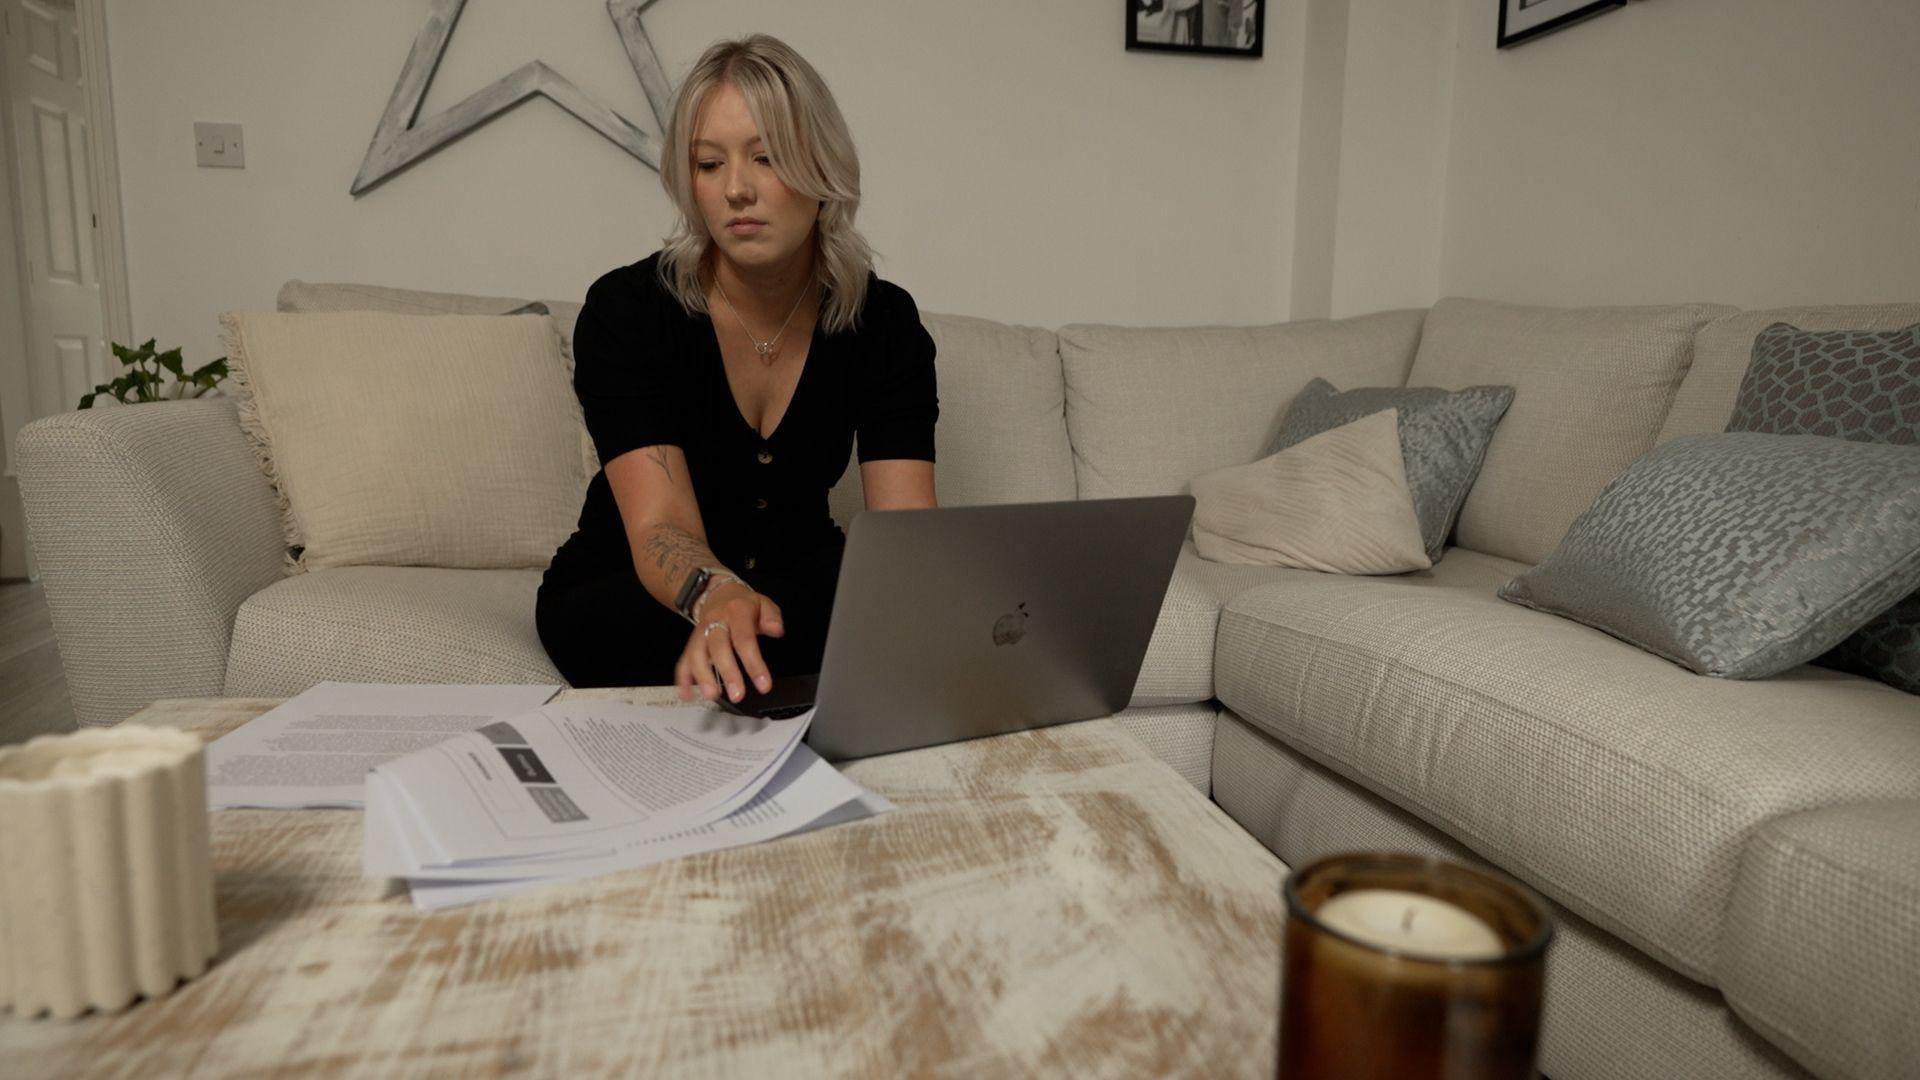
[648,373]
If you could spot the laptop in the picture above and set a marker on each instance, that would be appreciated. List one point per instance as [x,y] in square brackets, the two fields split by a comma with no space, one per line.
[963,622]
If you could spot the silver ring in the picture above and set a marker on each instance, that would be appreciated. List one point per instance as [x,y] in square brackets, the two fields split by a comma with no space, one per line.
[712,626]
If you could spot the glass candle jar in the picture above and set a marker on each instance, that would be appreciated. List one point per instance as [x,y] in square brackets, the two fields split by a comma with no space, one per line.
[1406,967]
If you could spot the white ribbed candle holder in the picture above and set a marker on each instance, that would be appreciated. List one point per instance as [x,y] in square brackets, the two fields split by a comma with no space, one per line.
[106,883]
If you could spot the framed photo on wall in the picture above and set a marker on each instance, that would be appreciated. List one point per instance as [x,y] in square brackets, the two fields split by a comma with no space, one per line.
[1218,27]
[1524,20]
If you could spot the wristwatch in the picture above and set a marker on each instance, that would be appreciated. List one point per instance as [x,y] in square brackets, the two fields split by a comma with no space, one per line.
[695,584]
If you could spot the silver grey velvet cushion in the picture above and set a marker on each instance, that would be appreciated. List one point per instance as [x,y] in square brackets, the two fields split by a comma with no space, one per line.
[1851,384]
[1443,438]
[1739,555]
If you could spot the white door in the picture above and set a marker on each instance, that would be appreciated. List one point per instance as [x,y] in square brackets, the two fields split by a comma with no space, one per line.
[65,316]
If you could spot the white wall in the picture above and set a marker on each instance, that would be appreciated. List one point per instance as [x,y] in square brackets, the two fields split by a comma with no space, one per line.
[1375,101]
[1019,164]
[1755,152]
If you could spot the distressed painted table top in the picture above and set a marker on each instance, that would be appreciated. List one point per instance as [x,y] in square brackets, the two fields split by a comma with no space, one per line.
[1053,902]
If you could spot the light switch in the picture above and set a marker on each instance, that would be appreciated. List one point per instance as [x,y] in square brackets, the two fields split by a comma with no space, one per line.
[218,146]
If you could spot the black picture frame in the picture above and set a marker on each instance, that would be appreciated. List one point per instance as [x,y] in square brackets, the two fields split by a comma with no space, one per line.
[1157,25]
[1568,13]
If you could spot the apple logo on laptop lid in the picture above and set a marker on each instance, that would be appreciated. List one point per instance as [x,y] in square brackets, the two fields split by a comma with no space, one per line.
[1008,629]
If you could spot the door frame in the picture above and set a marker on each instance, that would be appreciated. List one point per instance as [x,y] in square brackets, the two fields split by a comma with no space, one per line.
[103,157]
[103,176]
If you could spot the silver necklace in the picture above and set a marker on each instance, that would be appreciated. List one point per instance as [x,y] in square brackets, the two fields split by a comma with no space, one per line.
[763,348]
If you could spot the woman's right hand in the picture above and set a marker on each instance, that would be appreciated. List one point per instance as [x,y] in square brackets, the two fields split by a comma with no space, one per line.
[724,648]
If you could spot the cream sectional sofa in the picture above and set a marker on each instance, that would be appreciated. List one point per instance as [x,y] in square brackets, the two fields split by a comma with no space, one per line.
[1736,866]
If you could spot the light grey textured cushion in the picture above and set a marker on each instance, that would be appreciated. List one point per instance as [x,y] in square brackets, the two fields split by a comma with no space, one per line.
[1822,942]
[1180,735]
[1611,1012]
[1443,437]
[1590,388]
[1850,384]
[388,624]
[1724,347]
[1002,435]
[1613,781]
[151,524]
[1740,555]
[1149,409]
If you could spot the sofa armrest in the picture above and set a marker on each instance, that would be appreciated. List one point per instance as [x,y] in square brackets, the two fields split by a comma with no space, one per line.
[1820,949]
[150,523]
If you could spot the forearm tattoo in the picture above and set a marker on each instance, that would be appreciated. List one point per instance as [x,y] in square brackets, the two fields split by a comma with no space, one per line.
[677,553]
[659,457]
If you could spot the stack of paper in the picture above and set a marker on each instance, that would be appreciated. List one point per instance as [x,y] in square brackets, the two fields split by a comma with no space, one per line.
[588,787]
[314,750]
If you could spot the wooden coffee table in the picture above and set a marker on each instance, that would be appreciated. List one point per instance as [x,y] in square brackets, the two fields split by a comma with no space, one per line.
[1053,902]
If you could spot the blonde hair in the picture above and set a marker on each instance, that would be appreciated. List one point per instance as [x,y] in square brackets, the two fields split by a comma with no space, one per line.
[812,153]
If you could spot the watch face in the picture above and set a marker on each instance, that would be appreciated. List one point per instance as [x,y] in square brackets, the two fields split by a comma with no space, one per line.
[684,602]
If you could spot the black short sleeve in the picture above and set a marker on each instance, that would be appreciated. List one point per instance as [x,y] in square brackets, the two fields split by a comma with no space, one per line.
[900,399]
[625,370]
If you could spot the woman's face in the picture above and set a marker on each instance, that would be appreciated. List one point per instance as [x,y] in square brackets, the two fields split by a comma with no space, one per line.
[755,220]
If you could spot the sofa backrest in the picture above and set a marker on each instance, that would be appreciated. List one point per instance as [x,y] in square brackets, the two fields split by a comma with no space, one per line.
[1591,387]
[1150,409]
[302,296]
[1723,348]
[1002,435]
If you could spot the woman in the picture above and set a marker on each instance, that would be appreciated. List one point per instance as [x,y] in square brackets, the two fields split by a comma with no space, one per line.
[723,379]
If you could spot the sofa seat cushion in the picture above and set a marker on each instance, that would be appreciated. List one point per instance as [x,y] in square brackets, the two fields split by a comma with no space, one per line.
[388,624]
[1822,941]
[1178,668]
[1615,782]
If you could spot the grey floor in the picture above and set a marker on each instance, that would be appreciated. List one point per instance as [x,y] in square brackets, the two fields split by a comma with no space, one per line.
[33,692]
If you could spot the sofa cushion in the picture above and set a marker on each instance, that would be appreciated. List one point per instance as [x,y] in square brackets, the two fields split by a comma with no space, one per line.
[1822,940]
[405,624]
[1443,438]
[1591,386]
[1740,554]
[1724,347]
[1613,781]
[1149,409]
[1337,502]
[466,445]
[1180,657]
[1002,436]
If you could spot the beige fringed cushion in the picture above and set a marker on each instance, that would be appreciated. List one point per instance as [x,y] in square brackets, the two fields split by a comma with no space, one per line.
[408,440]
[1337,502]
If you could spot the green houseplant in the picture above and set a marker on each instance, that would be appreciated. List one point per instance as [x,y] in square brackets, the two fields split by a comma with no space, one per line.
[145,377]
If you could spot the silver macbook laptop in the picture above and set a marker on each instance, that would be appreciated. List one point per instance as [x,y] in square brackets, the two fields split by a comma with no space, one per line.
[962,622]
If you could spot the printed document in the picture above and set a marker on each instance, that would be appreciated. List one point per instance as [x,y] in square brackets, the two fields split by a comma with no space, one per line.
[585,776]
[315,749]
[804,795]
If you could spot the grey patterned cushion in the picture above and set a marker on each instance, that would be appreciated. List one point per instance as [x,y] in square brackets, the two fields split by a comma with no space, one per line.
[1443,437]
[1854,385]
[1739,555]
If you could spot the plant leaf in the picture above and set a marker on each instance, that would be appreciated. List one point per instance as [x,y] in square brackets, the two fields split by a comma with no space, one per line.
[170,360]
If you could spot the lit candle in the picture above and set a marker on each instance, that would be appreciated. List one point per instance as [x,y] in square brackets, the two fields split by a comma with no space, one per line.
[1412,923]
[1399,967]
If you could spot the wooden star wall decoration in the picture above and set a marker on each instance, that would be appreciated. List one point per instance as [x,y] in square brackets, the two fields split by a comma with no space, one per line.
[402,138]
